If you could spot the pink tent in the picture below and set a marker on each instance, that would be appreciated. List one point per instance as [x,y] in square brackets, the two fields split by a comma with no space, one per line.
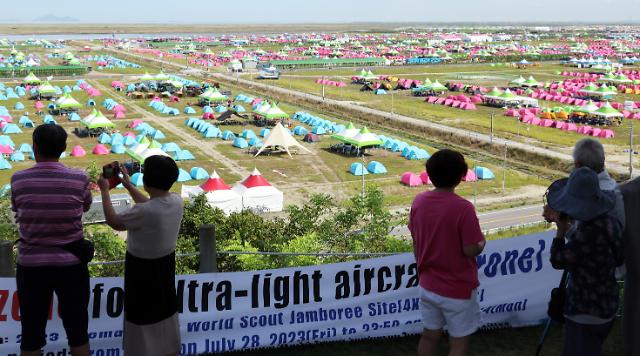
[425,178]
[78,151]
[636,115]
[455,104]
[607,133]
[560,124]
[410,179]
[440,100]
[39,105]
[595,132]
[208,116]
[535,121]
[571,127]
[6,118]
[135,123]
[119,107]
[476,99]
[512,113]
[470,176]
[6,149]
[118,115]
[546,123]
[100,149]
[470,106]
[448,102]
[129,133]
[585,130]
[432,99]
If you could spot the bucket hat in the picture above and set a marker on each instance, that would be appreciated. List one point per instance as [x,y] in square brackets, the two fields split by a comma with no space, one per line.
[580,196]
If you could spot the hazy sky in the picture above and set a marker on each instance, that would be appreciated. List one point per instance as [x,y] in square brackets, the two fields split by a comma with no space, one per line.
[301,11]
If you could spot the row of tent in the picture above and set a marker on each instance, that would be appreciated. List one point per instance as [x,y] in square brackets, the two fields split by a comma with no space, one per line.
[254,193]
[374,167]
[413,180]
[162,108]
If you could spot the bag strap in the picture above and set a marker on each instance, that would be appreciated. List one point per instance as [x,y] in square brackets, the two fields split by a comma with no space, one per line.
[563,280]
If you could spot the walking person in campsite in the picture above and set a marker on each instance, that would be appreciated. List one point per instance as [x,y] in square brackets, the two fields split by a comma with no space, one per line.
[48,200]
[151,325]
[446,239]
[588,245]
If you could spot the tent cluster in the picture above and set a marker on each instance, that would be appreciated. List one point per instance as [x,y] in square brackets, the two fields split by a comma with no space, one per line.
[374,167]
[254,193]
[162,108]
[528,116]
[110,62]
[117,109]
[358,138]
[456,101]
[319,126]
[328,82]
[414,180]
[90,90]
[9,153]
[7,93]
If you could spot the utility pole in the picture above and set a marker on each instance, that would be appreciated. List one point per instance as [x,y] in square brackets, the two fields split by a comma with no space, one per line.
[475,184]
[392,112]
[630,149]
[504,168]
[323,88]
[491,139]
[363,170]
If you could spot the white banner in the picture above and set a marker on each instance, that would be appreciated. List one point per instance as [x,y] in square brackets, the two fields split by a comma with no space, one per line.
[368,298]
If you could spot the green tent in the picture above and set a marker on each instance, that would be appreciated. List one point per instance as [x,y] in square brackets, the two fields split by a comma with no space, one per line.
[530,82]
[518,81]
[588,107]
[607,111]
[46,89]
[363,139]
[507,95]
[161,76]
[275,112]
[349,132]
[147,77]
[68,102]
[494,93]
[212,94]
[436,86]
[98,121]
[31,79]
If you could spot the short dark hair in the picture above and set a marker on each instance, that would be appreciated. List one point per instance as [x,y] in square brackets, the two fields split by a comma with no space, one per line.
[50,140]
[446,168]
[160,172]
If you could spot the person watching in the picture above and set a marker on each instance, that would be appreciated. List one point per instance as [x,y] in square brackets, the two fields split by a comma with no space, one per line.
[588,245]
[446,239]
[151,325]
[48,200]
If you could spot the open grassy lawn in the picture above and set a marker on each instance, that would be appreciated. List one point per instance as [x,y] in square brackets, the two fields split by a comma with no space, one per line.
[505,342]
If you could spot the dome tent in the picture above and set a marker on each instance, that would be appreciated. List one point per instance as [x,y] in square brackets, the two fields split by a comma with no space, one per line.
[258,193]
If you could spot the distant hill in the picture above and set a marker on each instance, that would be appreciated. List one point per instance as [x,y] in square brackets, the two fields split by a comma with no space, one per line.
[53,18]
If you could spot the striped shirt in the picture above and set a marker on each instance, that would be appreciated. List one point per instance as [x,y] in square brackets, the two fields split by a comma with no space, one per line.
[48,200]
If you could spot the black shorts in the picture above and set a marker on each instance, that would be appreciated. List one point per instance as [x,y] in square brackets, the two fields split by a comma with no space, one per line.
[36,286]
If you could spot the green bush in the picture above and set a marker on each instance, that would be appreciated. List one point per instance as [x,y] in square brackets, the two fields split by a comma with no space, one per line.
[109,247]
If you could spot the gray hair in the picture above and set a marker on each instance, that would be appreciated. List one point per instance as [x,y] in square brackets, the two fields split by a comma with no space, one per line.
[589,153]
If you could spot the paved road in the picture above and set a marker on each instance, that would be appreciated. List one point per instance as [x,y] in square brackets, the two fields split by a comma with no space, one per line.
[619,169]
[497,219]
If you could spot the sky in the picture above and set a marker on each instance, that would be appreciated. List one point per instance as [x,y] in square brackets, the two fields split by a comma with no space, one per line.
[326,11]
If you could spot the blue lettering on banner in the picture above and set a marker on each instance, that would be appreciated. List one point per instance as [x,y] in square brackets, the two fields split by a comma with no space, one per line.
[511,261]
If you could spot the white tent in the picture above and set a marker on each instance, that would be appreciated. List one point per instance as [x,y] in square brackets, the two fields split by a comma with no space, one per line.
[279,137]
[258,194]
[218,194]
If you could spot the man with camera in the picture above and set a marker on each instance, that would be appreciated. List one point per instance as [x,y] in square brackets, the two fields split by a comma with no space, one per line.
[48,200]
[588,245]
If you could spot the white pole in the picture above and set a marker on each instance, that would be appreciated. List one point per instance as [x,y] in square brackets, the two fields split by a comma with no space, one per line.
[630,149]
[323,88]
[363,170]
[504,168]
[475,184]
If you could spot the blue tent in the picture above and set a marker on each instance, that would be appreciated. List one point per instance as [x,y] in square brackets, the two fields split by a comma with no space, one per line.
[117,139]
[212,132]
[5,189]
[170,147]
[128,141]
[483,173]
[221,109]
[240,142]
[183,176]
[357,169]
[136,179]
[204,126]
[49,120]
[104,138]
[184,155]
[319,130]
[247,134]
[189,110]
[198,173]
[4,164]
[191,121]
[264,132]
[11,129]
[6,140]
[255,142]
[74,117]
[239,108]
[25,148]
[300,131]
[158,135]
[380,92]
[25,122]
[418,154]
[408,150]
[207,109]
[398,146]
[17,156]
[19,106]
[376,167]
[91,102]
[228,135]
[117,149]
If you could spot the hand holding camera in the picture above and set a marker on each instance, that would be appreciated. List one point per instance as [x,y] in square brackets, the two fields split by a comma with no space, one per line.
[111,176]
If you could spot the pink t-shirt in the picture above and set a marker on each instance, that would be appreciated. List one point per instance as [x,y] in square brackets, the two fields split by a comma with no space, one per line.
[441,223]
